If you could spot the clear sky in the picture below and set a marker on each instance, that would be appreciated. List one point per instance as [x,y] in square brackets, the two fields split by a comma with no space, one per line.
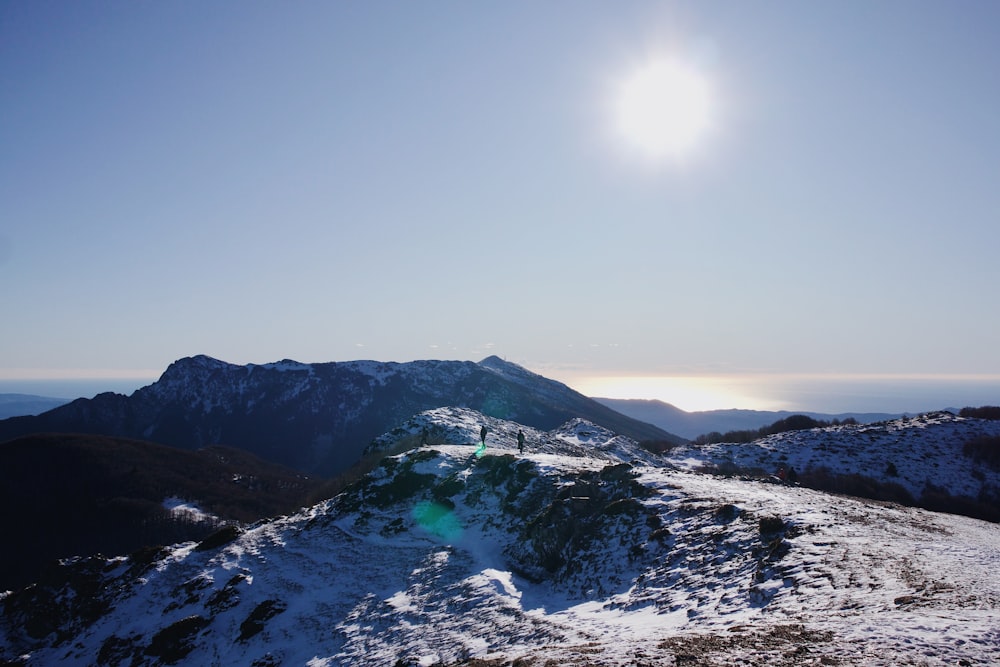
[327,181]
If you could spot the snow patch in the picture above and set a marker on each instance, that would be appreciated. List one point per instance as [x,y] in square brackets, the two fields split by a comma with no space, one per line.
[188,511]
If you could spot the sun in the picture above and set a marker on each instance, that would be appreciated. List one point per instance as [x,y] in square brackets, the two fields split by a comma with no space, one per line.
[664,108]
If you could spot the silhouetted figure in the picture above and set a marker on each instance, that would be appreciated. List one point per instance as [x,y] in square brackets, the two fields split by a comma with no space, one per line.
[482,437]
[423,436]
[520,441]
[792,477]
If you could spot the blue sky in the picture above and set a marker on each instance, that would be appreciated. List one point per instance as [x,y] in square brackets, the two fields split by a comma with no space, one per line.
[330,181]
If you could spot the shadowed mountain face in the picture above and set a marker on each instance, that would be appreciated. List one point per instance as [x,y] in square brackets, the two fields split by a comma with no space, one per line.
[64,495]
[318,418]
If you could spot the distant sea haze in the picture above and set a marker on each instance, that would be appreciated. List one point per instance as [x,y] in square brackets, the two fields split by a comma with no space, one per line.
[829,394]
[820,394]
[73,388]
[894,395]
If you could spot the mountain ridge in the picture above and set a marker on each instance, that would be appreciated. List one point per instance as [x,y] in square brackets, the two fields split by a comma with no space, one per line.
[923,455]
[317,417]
[583,550]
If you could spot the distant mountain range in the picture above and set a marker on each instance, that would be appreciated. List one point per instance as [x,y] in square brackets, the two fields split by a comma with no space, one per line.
[318,418]
[690,425]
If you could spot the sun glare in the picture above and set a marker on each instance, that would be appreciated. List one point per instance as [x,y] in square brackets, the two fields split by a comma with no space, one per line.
[664,108]
[691,394]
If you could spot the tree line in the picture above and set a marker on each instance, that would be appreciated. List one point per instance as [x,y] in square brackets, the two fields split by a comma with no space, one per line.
[792,423]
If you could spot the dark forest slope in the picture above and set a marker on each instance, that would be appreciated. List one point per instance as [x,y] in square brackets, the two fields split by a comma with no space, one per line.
[64,495]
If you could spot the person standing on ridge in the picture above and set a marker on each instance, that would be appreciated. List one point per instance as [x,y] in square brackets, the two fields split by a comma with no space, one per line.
[520,441]
[482,437]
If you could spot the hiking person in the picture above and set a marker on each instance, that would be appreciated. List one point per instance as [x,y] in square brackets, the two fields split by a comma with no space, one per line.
[520,441]
[482,438]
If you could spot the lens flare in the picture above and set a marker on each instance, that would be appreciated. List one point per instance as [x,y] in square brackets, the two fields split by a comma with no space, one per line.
[438,520]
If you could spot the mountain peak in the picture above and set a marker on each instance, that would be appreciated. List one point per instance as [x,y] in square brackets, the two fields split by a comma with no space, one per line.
[186,370]
[200,362]
[493,361]
[287,365]
[508,368]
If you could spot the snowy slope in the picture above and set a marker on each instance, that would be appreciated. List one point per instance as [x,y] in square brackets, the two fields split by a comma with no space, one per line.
[926,449]
[584,550]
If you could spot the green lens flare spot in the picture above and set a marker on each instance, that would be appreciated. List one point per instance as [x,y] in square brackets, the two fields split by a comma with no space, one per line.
[437,519]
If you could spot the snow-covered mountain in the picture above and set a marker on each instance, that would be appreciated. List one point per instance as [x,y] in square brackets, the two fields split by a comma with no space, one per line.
[583,550]
[692,424]
[318,417]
